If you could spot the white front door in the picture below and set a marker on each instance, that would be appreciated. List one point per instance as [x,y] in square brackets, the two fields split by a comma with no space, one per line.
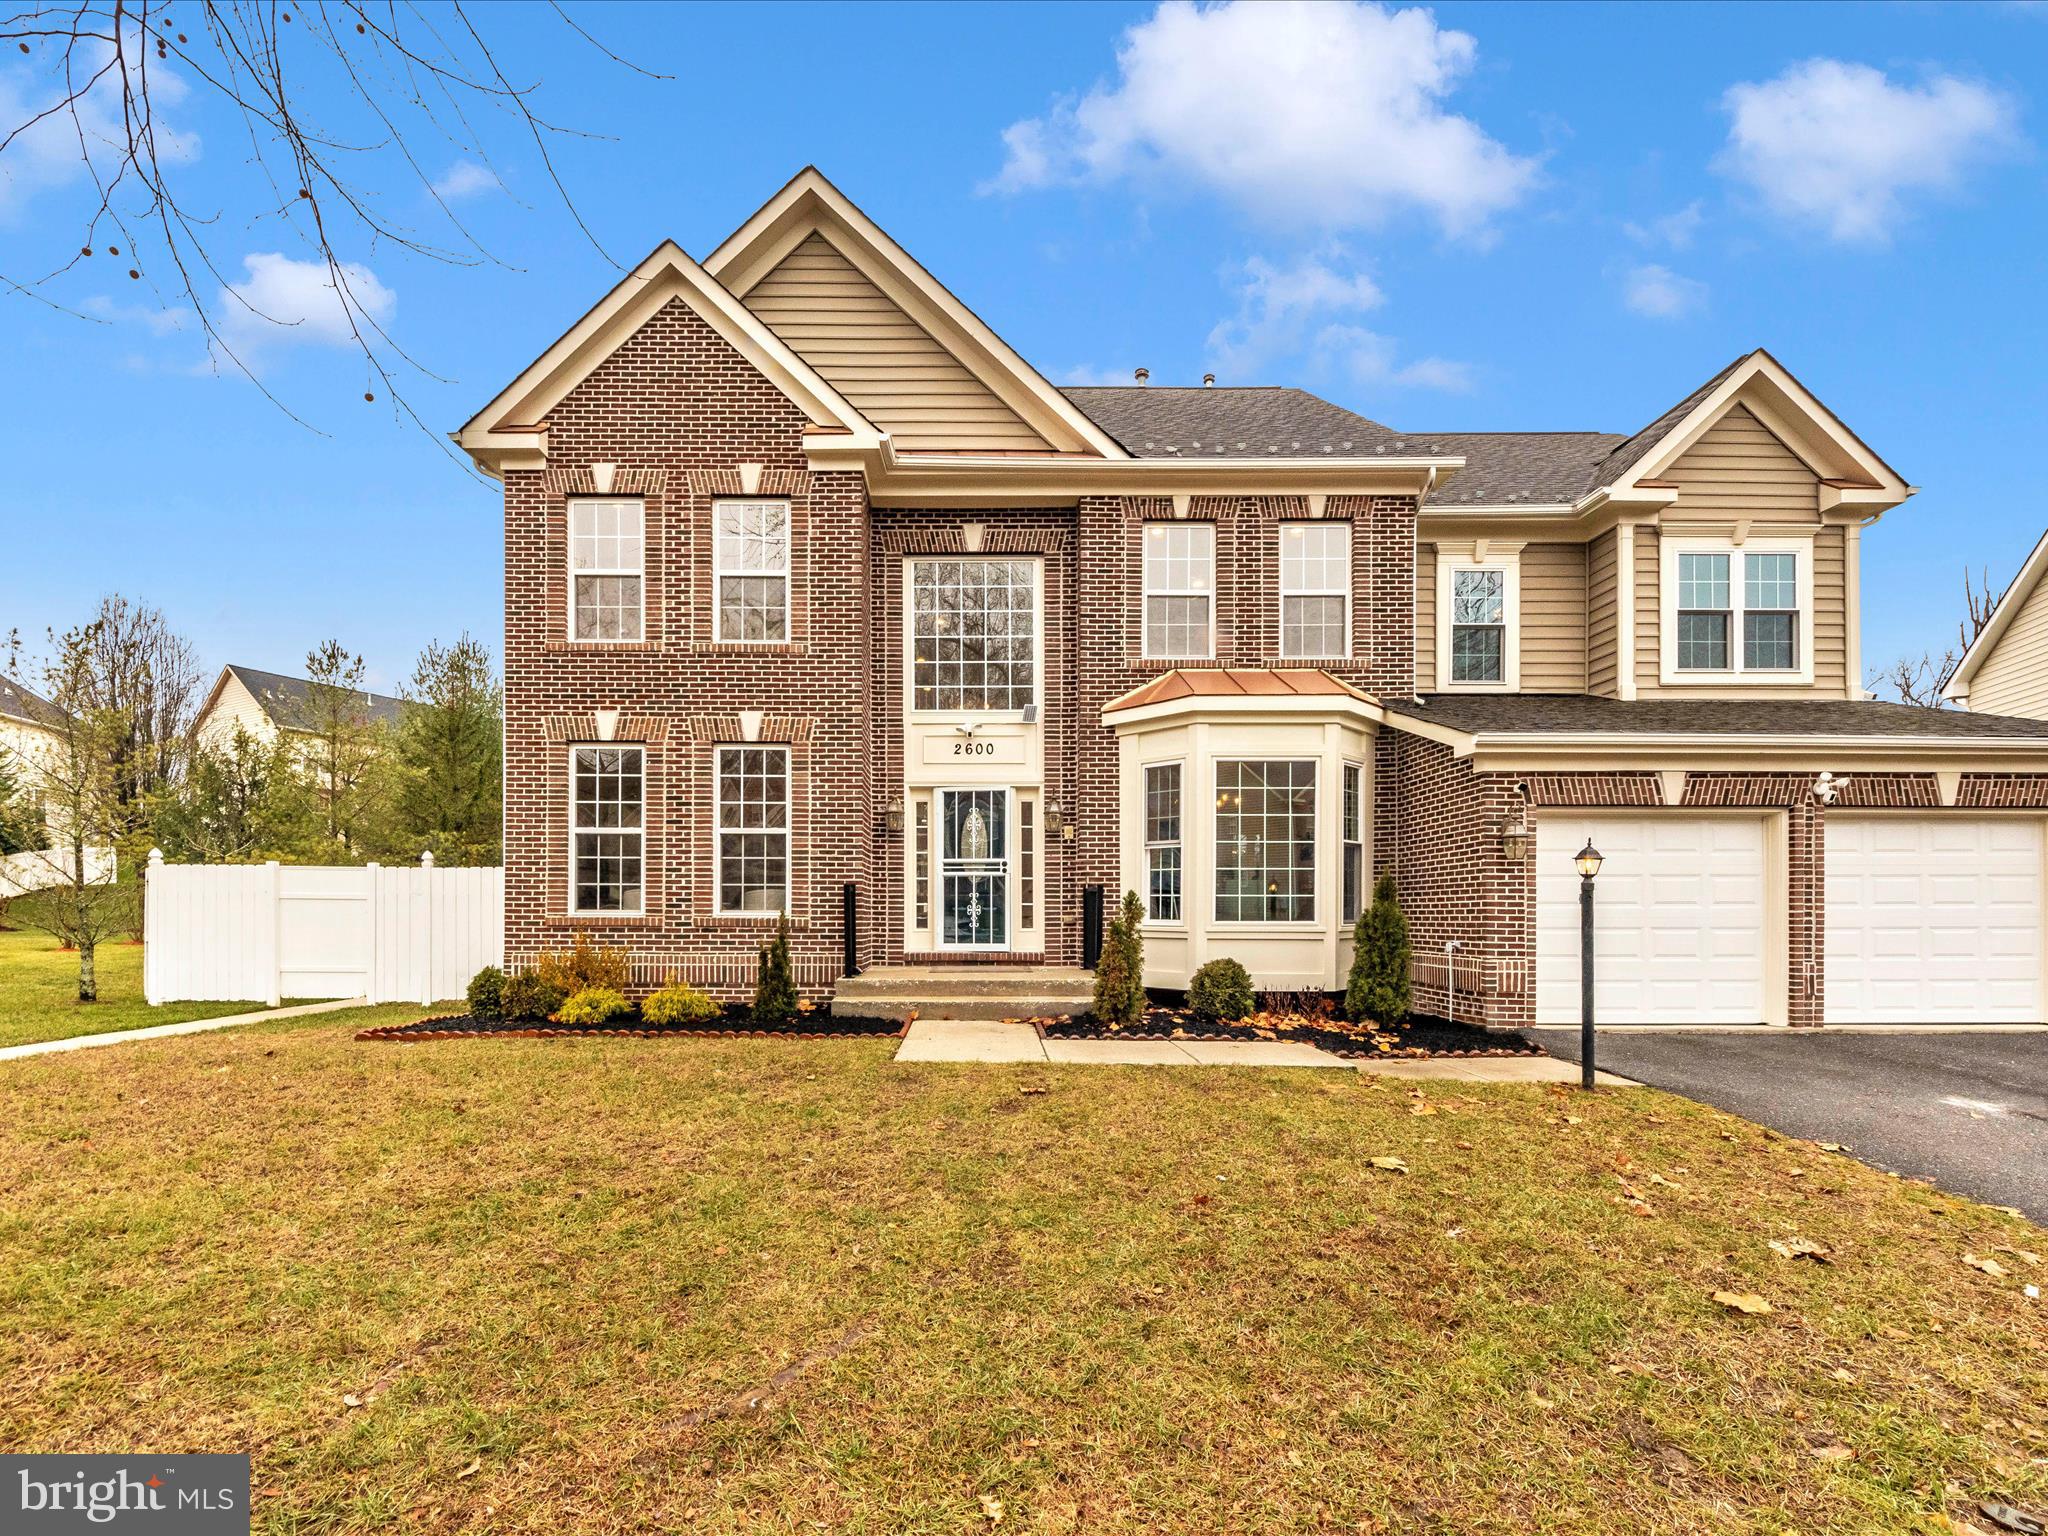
[1934,920]
[1679,911]
[974,868]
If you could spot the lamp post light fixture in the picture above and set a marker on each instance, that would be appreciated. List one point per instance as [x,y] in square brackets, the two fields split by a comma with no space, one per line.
[1587,861]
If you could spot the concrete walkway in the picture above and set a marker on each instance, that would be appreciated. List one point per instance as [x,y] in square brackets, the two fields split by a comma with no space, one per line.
[164,1031]
[990,1040]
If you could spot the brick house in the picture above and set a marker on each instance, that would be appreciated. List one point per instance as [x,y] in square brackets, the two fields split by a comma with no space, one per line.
[820,597]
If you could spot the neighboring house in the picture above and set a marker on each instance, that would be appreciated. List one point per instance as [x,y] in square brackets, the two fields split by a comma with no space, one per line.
[30,739]
[2005,670]
[817,593]
[267,704]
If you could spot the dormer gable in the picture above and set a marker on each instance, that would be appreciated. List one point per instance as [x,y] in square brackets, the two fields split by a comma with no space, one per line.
[889,336]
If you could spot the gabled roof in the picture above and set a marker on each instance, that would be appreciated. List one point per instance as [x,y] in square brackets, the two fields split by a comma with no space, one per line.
[289,700]
[809,205]
[511,431]
[2009,604]
[1261,421]
[30,708]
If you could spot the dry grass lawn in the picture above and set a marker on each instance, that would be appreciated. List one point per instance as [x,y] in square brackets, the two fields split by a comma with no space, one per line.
[556,1286]
[39,992]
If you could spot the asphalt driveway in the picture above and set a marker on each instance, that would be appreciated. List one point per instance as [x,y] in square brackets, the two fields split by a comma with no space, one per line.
[1969,1111]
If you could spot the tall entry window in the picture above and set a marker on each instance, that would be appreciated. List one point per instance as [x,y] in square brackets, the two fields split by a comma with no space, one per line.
[607,837]
[974,635]
[753,829]
[1265,841]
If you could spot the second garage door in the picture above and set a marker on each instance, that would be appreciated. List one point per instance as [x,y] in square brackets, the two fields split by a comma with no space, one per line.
[1933,920]
[1680,919]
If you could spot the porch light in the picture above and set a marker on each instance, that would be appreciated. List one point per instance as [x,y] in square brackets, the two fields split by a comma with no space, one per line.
[1055,817]
[1588,861]
[1514,842]
[895,813]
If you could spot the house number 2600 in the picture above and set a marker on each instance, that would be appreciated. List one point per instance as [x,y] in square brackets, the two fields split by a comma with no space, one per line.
[974,749]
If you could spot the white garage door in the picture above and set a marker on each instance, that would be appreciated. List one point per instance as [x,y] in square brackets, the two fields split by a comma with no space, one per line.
[1933,920]
[1679,919]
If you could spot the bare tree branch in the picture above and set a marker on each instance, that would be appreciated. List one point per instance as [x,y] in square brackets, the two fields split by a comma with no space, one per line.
[1922,682]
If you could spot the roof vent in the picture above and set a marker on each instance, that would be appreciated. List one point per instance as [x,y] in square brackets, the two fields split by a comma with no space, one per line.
[1208,381]
[1142,375]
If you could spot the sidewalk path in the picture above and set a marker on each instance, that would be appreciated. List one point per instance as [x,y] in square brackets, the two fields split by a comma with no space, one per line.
[190,1027]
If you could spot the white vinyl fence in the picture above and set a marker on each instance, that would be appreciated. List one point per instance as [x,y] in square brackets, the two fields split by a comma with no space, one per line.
[39,868]
[224,932]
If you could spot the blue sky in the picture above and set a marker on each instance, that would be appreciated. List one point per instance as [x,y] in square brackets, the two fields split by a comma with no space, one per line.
[1473,217]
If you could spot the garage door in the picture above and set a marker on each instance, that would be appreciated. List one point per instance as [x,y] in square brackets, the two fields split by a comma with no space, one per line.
[1933,920]
[1679,919]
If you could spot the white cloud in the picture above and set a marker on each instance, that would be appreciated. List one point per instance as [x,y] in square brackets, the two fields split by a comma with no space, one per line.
[158,322]
[465,178]
[1840,146]
[1305,315]
[1327,115]
[1088,373]
[49,154]
[1673,229]
[1661,293]
[297,301]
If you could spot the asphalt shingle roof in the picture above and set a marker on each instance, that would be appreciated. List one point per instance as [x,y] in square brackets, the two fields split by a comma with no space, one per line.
[1574,713]
[1501,468]
[18,703]
[289,699]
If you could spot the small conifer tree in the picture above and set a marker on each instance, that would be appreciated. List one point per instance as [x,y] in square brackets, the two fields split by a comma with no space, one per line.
[775,982]
[1120,974]
[1378,988]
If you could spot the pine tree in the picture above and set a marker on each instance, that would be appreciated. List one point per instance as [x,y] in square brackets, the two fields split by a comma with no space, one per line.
[775,982]
[1120,974]
[451,756]
[1378,989]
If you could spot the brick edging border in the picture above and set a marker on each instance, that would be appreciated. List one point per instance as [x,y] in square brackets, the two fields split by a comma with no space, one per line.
[401,1034]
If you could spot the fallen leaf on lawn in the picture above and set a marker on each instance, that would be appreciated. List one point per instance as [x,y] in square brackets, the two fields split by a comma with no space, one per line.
[1390,1164]
[1658,1178]
[350,1400]
[1835,1452]
[1831,1146]
[1743,1301]
[1991,1267]
[1540,1400]
[1800,1248]
[2022,1254]
[1031,1088]
[1841,1375]
[1420,1108]
[992,1507]
[2031,1292]
[476,1465]
[2010,1210]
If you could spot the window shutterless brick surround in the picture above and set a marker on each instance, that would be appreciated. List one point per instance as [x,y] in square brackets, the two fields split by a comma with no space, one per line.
[677,412]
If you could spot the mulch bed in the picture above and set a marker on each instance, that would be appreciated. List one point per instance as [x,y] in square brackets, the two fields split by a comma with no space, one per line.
[734,1024]
[1416,1037]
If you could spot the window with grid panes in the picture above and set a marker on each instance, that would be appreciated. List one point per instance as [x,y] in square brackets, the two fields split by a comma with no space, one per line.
[1162,842]
[1180,589]
[753,570]
[1265,841]
[607,554]
[607,793]
[753,829]
[1315,589]
[974,634]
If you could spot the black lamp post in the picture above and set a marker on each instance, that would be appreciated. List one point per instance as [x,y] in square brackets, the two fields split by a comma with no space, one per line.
[1587,860]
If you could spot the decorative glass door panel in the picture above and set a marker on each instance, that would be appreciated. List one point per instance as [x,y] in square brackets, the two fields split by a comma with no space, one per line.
[974,868]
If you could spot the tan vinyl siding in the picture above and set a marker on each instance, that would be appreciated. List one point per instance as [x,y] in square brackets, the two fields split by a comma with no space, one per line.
[1739,468]
[883,361]
[236,706]
[1553,614]
[1830,613]
[1425,618]
[1648,634]
[1603,636]
[2013,678]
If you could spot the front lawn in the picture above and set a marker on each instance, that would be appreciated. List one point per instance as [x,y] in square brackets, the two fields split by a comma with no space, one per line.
[696,1286]
[39,992]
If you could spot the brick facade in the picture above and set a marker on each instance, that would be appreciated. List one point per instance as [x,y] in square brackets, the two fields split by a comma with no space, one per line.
[676,412]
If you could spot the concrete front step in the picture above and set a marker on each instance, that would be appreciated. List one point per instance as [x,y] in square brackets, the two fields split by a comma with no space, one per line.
[976,1007]
[966,992]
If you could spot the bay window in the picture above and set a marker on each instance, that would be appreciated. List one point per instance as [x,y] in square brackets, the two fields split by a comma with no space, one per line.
[1265,841]
[1353,841]
[1162,842]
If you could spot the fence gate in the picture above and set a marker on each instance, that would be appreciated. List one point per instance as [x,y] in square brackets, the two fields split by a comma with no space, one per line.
[265,932]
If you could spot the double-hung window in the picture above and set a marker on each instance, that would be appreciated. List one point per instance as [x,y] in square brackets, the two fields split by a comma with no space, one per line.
[753,569]
[1354,841]
[1737,611]
[973,635]
[1265,841]
[1162,842]
[607,554]
[607,837]
[1479,626]
[1315,589]
[1180,590]
[753,829]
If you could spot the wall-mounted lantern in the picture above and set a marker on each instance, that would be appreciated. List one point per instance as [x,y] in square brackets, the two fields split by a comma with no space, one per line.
[1514,841]
[895,813]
